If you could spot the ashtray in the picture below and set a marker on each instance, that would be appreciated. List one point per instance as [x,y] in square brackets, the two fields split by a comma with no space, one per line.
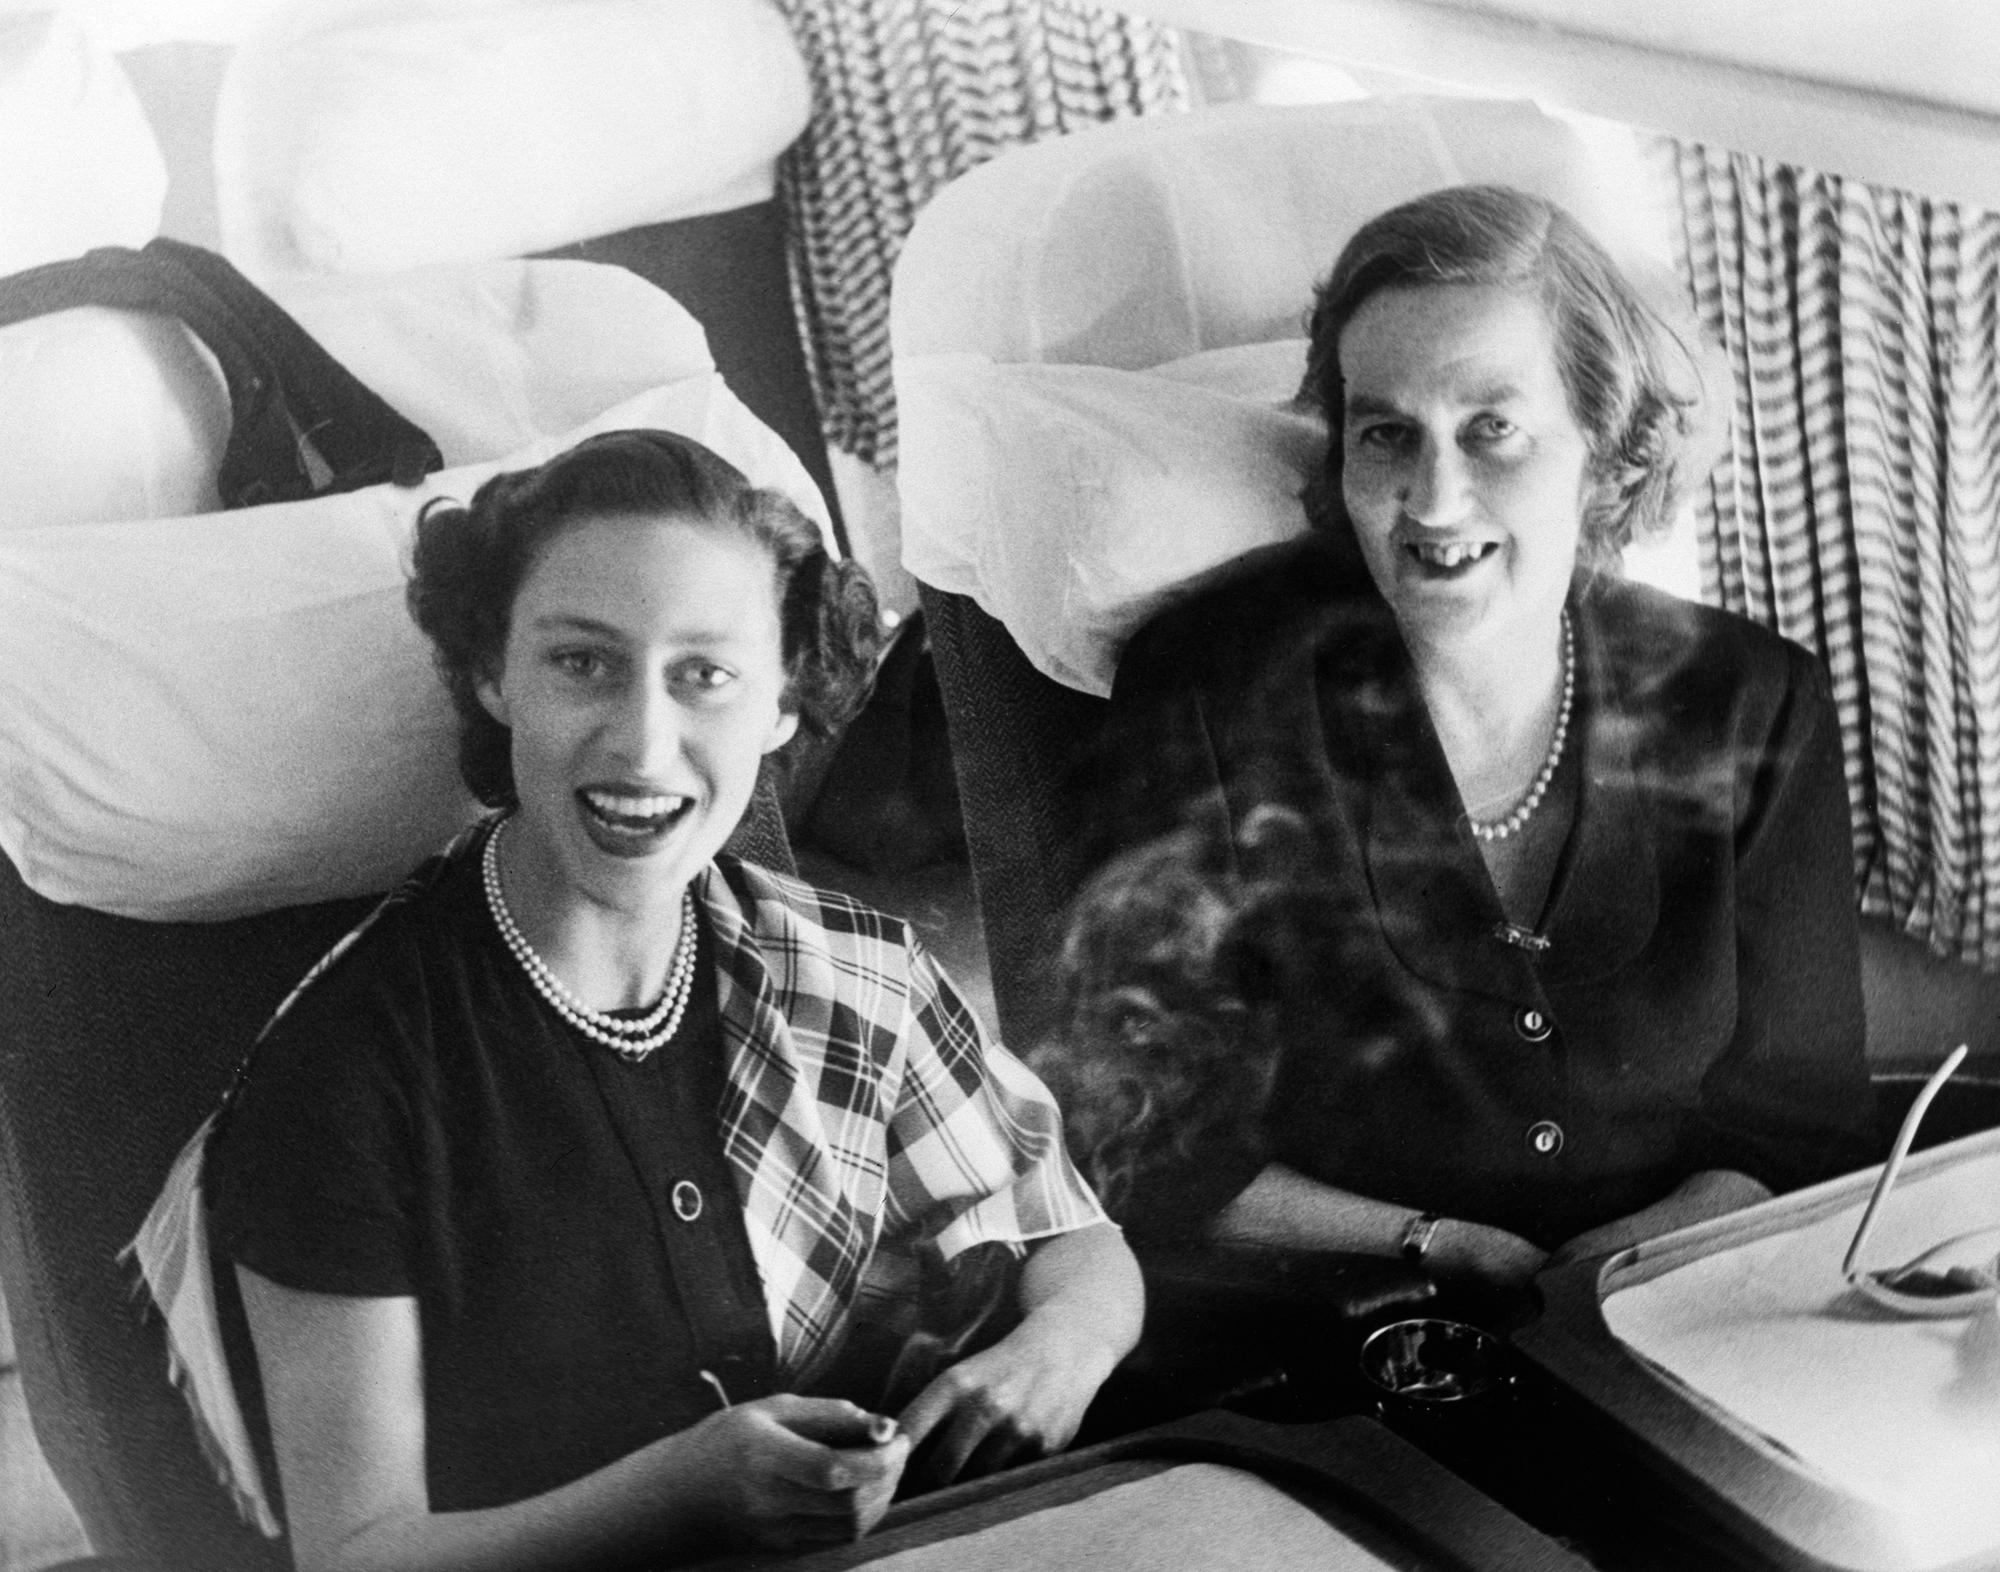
[1436,1367]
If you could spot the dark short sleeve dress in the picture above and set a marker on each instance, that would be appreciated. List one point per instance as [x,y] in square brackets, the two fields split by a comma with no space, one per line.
[1690,998]
[420,1123]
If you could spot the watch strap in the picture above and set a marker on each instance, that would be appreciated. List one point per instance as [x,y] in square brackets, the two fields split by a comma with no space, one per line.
[1418,1235]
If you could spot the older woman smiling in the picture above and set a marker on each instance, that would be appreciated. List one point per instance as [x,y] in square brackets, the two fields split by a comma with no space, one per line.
[1568,955]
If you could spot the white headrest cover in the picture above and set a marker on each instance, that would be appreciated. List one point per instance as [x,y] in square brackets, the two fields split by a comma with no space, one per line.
[1073,450]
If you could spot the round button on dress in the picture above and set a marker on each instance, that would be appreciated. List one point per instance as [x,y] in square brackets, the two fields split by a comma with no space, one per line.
[687,1200]
[1533,1025]
[1545,1137]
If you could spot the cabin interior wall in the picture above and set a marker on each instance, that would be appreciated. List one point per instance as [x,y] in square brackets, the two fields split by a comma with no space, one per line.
[1918,1005]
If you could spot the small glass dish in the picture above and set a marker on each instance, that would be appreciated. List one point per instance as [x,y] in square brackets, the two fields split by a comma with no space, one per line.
[1436,1379]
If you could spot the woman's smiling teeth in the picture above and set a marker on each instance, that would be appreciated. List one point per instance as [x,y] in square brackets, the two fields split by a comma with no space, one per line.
[633,813]
[1449,554]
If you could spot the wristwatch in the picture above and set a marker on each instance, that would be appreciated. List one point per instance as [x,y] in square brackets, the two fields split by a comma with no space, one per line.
[1417,1237]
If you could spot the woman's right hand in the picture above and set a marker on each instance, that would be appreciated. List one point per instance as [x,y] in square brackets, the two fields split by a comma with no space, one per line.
[1474,1254]
[787,1471]
[343,1385]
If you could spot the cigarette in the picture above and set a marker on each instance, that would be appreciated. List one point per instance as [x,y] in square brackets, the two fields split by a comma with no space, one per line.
[881,1429]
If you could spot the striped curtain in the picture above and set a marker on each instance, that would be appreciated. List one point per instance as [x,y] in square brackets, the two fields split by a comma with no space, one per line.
[1858,508]
[907,95]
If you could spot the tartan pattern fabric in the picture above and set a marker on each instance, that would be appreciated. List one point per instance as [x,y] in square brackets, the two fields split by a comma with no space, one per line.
[1858,506]
[868,1119]
[908,95]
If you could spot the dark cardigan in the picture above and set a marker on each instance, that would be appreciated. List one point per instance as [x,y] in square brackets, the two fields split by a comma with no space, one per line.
[1698,1003]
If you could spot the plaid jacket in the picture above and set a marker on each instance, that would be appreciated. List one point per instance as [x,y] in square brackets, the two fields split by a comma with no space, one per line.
[868,1118]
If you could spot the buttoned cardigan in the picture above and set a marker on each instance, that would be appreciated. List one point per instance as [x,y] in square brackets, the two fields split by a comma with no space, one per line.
[1690,996]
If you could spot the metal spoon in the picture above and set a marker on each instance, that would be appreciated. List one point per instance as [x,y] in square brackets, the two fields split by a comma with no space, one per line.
[1924,1285]
[1946,1280]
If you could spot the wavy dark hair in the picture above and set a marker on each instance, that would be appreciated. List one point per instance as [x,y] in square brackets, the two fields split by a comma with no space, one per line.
[1632,384]
[470,561]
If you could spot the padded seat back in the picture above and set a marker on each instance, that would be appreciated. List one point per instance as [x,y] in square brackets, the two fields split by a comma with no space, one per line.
[1126,246]
[1142,241]
[117,1038]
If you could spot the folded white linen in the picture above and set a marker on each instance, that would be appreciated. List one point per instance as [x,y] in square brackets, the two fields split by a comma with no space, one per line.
[1072,502]
[206,716]
[355,137]
[79,166]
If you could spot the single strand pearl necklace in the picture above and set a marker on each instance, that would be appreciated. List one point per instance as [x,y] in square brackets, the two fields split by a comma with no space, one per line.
[1524,810]
[632,1037]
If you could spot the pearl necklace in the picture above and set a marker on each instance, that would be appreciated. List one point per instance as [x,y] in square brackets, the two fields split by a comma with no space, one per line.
[632,1038]
[1499,829]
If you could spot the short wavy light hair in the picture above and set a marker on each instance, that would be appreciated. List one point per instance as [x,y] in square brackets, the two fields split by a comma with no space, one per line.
[470,562]
[1633,386]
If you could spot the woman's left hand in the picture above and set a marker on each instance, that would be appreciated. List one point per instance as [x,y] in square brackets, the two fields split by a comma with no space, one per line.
[1020,1399]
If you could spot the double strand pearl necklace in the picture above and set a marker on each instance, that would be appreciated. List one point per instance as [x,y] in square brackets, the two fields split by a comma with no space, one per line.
[630,1037]
[1499,829]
